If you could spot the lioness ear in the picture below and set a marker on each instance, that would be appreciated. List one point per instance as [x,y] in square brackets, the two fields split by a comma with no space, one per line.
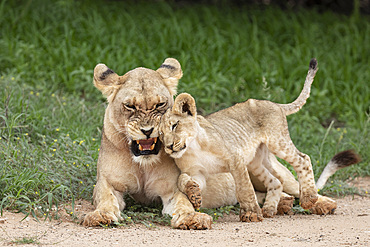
[184,104]
[105,79]
[171,73]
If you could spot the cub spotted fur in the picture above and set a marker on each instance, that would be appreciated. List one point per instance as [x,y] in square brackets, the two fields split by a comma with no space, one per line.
[232,140]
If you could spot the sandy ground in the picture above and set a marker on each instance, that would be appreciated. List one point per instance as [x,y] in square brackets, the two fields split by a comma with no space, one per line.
[349,226]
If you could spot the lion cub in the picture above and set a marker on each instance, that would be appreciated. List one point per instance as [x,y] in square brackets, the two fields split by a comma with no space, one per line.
[233,140]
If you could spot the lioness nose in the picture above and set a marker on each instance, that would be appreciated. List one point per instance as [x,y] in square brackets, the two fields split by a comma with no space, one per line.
[147,132]
[170,147]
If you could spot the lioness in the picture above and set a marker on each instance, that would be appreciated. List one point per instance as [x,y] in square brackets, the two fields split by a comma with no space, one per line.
[237,138]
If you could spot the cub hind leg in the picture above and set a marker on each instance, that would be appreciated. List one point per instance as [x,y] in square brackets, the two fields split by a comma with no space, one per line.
[324,204]
[283,147]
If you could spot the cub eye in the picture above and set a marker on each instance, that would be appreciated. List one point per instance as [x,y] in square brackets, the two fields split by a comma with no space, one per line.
[130,107]
[174,125]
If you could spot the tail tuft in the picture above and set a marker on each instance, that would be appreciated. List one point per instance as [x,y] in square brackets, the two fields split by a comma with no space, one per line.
[346,158]
[313,64]
[339,161]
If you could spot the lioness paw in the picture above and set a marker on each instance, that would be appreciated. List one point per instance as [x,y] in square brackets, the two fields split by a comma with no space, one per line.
[193,193]
[250,217]
[192,221]
[285,205]
[97,218]
[268,212]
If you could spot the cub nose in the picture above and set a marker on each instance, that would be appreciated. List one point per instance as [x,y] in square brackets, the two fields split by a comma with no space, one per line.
[170,147]
[147,132]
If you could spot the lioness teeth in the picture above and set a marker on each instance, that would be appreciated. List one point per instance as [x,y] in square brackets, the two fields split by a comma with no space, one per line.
[147,144]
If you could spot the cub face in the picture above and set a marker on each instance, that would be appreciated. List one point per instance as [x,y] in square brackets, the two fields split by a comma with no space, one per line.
[179,126]
[136,103]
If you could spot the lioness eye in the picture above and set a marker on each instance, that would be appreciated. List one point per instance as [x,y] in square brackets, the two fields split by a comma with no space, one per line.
[130,107]
[160,104]
[174,125]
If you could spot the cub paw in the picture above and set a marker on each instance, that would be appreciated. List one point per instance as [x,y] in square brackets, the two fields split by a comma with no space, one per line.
[324,205]
[285,205]
[97,218]
[192,221]
[193,193]
[308,200]
[250,217]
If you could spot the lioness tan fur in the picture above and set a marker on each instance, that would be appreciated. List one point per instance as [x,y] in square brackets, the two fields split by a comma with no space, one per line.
[237,139]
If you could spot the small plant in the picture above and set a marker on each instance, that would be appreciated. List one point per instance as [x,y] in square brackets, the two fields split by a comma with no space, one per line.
[146,215]
[25,240]
[297,209]
[221,211]
[339,188]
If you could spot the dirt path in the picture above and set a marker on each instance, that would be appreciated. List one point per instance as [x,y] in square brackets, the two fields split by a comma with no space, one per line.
[349,226]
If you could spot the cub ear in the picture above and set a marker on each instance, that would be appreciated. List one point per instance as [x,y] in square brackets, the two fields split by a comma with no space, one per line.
[105,79]
[171,73]
[185,105]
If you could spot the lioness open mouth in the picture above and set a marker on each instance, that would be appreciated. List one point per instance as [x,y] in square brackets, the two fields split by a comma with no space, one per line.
[146,146]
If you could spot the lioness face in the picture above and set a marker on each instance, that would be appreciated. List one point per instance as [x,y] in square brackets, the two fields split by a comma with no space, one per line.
[137,101]
[179,126]
[140,103]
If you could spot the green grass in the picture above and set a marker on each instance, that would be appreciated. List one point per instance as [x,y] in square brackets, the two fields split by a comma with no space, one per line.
[51,115]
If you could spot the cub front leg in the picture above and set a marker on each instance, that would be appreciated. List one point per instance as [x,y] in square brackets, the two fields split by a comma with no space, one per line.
[284,206]
[249,208]
[109,203]
[191,189]
[176,203]
[272,184]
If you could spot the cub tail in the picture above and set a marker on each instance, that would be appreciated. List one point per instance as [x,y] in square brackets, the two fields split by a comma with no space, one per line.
[296,105]
[339,161]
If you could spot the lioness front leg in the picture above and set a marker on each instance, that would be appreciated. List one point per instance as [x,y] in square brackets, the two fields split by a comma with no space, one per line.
[184,217]
[191,189]
[285,204]
[109,204]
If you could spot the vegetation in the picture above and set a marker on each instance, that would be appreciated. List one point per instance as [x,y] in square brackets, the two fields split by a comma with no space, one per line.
[51,115]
